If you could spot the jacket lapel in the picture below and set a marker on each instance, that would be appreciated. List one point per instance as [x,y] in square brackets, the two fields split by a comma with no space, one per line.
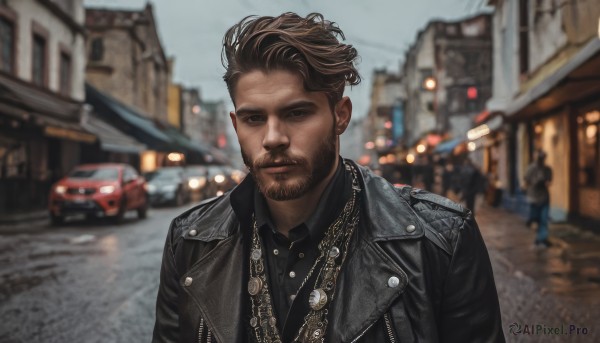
[370,280]
[363,293]
[219,290]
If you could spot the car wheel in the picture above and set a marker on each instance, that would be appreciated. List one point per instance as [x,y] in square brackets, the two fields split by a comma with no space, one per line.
[142,211]
[122,209]
[56,220]
[179,198]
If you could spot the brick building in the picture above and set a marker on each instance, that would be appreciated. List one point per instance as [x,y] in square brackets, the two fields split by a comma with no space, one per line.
[126,58]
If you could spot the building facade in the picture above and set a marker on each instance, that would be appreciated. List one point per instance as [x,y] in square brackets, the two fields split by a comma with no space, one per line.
[546,87]
[42,77]
[126,58]
[448,78]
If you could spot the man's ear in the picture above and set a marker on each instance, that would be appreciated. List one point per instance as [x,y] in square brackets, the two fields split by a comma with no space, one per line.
[233,120]
[343,114]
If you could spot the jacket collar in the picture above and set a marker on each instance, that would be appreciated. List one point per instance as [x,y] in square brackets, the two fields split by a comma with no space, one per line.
[388,208]
[367,286]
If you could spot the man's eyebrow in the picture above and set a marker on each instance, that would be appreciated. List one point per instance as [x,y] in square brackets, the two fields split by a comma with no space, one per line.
[248,110]
[298,104]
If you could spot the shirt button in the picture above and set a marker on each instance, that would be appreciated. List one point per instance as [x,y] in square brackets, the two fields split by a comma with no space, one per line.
[292,274]
[275,252]
[410,228]
[301,255]
[193,233]
[292,297]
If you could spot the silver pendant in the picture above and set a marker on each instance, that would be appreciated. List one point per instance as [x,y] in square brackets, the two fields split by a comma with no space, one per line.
[256,254]
[254,285]
[317,299]
[334,252]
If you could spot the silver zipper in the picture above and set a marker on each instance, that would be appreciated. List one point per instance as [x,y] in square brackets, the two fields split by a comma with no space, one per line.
[201,330]
[388,326]
[363,333]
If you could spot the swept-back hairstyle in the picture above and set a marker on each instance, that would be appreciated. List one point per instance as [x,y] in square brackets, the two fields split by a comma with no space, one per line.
[307,46]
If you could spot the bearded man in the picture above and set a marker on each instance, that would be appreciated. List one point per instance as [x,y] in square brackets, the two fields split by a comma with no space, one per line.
[312,247]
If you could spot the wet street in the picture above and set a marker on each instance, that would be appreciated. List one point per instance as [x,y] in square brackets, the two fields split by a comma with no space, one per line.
[97,282]
[83,282]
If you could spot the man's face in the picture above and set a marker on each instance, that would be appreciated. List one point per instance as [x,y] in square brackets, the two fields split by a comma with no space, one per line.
[287,135]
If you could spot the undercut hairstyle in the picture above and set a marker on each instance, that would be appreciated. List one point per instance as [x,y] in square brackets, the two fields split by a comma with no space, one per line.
[307,46]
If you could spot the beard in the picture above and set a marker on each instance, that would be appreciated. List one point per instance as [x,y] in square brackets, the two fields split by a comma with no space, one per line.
[311,171]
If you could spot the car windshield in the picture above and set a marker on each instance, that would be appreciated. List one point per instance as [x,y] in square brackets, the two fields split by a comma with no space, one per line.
[196,172]
[95,174]
[164,174]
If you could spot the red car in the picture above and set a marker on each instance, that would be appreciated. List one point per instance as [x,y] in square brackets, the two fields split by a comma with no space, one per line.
[98,190]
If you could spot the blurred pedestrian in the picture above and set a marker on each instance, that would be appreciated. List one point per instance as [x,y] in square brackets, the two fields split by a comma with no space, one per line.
[537,180]
[313,247]
[472,182]
[448,177]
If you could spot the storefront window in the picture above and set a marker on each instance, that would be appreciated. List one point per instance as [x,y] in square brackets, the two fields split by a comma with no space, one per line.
[589,149]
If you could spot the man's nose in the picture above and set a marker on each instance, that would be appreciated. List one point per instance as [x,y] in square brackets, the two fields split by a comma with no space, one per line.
[276,136]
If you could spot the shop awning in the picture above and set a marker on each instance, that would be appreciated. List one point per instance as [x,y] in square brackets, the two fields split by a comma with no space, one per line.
[576,79]
[129,121]
[447,146]
[197,153]
[57,116]
[111,139]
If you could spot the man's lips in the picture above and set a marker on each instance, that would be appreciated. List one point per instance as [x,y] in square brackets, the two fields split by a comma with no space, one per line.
[273,168]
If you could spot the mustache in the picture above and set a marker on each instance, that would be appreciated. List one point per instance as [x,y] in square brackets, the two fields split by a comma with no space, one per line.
[276,161]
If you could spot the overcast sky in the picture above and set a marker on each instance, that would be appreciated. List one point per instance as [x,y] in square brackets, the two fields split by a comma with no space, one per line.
[381,31]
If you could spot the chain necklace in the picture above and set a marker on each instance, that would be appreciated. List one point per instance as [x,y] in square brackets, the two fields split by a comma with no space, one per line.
[333,250]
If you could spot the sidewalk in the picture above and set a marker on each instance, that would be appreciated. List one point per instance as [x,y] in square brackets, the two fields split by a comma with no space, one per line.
[554,287]
[571,266]
[23,222]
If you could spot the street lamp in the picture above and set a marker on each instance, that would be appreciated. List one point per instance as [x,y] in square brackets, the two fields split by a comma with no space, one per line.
[429,83]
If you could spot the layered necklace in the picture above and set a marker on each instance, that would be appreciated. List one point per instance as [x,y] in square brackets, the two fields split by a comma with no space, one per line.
[333,250]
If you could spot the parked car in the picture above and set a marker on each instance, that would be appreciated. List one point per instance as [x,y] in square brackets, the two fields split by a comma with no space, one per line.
[222,178]
[197,180]
[98,190]
[168,185]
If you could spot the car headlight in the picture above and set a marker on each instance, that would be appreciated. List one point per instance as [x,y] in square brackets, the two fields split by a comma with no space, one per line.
[169,188]
[107,189]
[219,178]
[194,183]
[150,188]
[60,189]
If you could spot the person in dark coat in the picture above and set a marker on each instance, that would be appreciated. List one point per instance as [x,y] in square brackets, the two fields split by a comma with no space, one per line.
[472,182]
[312,247]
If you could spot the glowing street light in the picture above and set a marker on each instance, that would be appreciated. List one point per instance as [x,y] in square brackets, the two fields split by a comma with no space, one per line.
[429,83]
[410,158]
[421,148]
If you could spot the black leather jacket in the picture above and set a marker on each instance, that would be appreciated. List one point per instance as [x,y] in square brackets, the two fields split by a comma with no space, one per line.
[446,290]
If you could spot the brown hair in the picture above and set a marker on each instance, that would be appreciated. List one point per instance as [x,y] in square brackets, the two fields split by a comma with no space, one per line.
[308,46]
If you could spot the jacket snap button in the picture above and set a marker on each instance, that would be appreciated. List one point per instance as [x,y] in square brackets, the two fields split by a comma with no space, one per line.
[188,281]
[193,233]
[393,282]
[410,228]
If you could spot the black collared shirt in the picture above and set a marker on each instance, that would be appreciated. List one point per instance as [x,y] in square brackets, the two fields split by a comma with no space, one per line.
[289,260]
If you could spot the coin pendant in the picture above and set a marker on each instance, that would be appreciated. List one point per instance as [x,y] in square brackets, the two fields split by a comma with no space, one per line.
[317,299]
[254,285]
[255,256]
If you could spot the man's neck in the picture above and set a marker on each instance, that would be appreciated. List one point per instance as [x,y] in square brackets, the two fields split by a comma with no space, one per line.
[288,214]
